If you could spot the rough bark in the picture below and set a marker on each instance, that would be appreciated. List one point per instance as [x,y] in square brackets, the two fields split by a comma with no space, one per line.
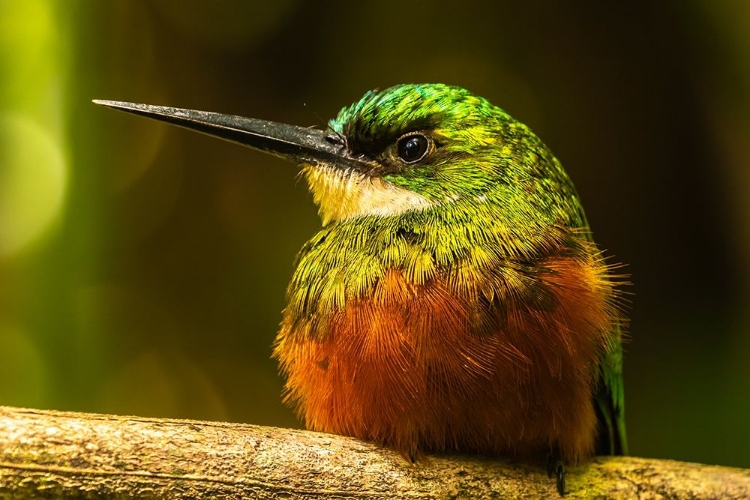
[76,455]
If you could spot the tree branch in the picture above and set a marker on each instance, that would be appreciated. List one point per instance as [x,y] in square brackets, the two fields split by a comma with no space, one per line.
[78,455]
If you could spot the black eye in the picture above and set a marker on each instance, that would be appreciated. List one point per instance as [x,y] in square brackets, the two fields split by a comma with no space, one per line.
[413,148]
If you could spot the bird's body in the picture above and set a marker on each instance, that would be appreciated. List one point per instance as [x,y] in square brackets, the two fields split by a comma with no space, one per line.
[447,345]
[476,317]
[454,299]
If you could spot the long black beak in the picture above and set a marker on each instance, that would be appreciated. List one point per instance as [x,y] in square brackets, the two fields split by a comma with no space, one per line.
[298,144]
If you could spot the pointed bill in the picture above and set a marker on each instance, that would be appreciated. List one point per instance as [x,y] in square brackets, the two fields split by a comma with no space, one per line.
[298,144]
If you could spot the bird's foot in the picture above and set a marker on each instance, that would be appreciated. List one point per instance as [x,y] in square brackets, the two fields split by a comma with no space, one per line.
[556,468]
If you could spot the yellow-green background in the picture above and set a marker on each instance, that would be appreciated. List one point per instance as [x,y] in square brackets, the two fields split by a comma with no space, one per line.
[143,268]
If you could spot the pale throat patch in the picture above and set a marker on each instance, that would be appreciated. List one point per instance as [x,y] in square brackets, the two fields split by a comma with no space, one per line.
[345,195]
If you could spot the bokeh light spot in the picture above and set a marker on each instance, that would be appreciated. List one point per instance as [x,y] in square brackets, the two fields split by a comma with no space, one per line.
[33,179]
[27,32]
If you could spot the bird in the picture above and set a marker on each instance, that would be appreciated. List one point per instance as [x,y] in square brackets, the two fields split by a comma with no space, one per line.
[454,299]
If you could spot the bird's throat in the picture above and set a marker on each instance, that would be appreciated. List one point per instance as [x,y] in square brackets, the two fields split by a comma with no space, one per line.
[342,194]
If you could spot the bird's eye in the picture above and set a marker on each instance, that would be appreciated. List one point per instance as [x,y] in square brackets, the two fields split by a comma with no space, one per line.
[412,148]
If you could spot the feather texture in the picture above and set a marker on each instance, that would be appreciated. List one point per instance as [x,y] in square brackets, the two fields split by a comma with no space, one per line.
[506,364]
[456,302]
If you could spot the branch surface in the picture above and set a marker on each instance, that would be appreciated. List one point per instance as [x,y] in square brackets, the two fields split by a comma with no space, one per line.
[78,455]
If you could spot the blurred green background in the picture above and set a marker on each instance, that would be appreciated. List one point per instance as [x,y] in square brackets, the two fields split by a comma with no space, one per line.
[143,267]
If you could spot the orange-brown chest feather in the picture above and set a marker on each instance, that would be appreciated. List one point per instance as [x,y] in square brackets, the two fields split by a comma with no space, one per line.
[425,367]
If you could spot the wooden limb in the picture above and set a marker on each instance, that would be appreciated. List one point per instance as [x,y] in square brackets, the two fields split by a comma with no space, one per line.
[77,455]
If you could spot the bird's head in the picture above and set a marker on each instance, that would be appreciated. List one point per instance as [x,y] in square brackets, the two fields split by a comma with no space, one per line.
[407,148]
[428,145]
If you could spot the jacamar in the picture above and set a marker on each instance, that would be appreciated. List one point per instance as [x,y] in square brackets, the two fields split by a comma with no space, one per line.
[454,299]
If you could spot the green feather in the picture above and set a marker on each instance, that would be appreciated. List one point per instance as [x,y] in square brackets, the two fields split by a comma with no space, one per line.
[497,201]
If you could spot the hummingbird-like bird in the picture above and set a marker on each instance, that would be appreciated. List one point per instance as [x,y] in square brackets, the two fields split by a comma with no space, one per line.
[454,299]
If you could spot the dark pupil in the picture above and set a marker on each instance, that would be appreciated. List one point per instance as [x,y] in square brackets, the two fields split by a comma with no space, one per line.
[412,148]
